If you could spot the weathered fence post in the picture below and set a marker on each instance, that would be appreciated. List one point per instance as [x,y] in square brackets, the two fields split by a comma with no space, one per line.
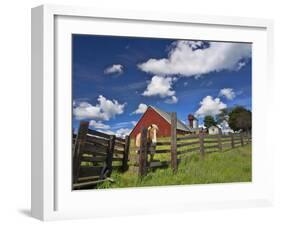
[78,147]
[219,141]
[143,153]
[248,137]
[174,141]
[242,139]
[74,137]
[110,151]
[201,142]
[126,153]
[232,140]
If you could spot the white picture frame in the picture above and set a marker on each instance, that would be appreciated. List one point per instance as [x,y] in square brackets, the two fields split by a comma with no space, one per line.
[52,198]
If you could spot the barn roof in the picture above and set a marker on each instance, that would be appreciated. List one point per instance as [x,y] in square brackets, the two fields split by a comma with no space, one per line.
[167,117]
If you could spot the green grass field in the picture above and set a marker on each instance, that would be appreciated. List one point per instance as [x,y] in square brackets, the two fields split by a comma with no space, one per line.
[233,165]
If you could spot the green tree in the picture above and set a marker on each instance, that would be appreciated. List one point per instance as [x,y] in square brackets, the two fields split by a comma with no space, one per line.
[240,118]
[209,121]
[223,115]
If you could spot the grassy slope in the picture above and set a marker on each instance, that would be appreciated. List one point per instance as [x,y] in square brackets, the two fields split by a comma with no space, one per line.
[230,166]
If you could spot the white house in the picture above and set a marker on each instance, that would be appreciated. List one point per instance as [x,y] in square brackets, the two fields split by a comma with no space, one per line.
[213,130]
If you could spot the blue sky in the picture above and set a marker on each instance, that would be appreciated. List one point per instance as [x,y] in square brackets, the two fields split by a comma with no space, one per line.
[115,78]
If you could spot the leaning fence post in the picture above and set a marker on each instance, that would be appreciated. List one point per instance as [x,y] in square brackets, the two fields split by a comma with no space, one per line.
[174,141]
[110,151]
[219,141]
[232,140]
[201,142]
[126,153]
[143,153]
[242,139]
[78,148]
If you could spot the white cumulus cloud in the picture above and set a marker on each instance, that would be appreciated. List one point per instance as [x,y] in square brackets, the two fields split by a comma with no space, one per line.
[160,86]
[114,69]
[123,124]
[98,125]
[141,109]
[134,123]
[195,44]
[109,132]
[228,93]
[123,132]
[184,60]
[240,65]
[210,106]
[172,100]
[104,110]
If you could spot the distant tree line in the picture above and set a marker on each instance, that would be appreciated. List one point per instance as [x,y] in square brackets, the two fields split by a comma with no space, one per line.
[238,118]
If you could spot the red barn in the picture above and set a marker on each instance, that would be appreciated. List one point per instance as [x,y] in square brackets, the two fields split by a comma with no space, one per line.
[160,118]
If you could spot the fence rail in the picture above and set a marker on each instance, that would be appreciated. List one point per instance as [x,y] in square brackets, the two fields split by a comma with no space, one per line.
[95,155]
[178,146]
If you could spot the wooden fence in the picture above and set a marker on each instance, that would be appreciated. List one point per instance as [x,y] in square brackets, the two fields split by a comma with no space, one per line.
[95,155]
[178,146]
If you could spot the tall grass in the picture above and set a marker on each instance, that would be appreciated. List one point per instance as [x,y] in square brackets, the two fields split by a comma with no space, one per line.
[234,165]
